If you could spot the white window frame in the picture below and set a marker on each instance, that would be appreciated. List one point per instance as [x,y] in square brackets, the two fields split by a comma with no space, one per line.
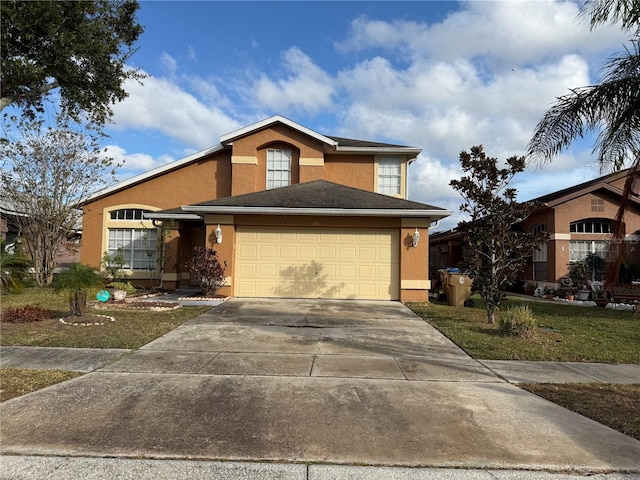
[389,179]
[278,168]
[139,253]
[135,248]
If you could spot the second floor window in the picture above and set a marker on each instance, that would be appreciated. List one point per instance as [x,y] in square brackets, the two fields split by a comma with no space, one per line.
[278,168]
[590,226]
[389,176]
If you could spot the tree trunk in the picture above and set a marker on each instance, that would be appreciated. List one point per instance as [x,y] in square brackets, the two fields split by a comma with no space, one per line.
[78,303]
[491,313]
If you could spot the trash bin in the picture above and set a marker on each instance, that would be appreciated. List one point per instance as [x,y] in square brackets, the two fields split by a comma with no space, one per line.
[458,288]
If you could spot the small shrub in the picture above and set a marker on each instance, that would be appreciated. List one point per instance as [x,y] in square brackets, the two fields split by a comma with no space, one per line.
[518,321]
[26,314]
[126,286]
[208,271]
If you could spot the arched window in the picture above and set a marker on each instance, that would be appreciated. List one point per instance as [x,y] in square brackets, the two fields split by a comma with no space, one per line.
[592,225]
[128,214]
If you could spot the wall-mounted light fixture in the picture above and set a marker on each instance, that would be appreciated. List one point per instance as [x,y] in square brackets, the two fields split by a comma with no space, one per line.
[218,234]
[415,238]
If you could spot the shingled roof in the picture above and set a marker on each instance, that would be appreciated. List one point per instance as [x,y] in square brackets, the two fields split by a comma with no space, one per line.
[318,197]
[604,182]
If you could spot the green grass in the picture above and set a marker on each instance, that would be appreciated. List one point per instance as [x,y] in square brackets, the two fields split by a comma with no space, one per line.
[565,333]
[131,329]
[616,406]
[20,381]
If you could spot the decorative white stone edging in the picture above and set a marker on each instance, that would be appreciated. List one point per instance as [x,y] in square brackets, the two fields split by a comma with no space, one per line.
[88,324]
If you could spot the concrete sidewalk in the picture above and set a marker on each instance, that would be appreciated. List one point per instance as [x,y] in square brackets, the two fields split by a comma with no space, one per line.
[513,371]
[65,468]
[54,358]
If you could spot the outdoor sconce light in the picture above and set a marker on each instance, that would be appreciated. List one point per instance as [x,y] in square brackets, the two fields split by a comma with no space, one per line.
[218,234]
[415,238]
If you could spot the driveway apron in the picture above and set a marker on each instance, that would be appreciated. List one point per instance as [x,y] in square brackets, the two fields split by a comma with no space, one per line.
[343,382]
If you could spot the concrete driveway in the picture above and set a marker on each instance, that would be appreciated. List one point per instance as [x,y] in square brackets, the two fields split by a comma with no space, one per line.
[309,381]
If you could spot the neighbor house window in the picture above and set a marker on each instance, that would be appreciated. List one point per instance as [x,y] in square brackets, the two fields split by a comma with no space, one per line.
[579,249]
[597,205]
[278,168]
[389,176]
[133,237]
[590,226]
[540,256]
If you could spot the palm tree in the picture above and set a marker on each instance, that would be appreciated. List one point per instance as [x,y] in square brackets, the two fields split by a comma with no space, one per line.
[611,108]
[14,269]
[76,283]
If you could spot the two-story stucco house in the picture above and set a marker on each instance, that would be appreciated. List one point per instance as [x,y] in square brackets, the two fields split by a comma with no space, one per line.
[579,221]
[292,212]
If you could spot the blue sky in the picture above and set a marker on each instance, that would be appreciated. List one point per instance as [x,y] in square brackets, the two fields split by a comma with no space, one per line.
[442,76]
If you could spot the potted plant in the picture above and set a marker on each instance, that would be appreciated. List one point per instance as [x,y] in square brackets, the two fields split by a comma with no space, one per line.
[599,294]
[578,272]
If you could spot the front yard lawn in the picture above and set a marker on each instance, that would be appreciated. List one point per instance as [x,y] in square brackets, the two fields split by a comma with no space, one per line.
[131,329]
[617,406]
[20,381]
[566,333]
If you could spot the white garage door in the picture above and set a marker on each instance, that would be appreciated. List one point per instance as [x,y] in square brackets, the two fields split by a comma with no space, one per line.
[317,263]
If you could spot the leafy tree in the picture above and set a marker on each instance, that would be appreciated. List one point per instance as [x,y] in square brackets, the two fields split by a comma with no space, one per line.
[79,48]
[76,282]
[43,174]
[495,251]
[610,108]
[208,270]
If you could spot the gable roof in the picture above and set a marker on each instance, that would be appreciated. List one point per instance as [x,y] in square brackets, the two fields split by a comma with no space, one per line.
[167,167]
[337,144]
[600,183]
[318,197]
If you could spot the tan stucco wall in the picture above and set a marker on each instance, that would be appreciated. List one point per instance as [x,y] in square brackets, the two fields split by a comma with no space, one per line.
[249,178]
[414,265]
[196,182]
[356,171]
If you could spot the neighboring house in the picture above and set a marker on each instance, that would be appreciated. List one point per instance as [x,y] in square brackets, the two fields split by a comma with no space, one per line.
[292,212]
[579,221]
[10,232]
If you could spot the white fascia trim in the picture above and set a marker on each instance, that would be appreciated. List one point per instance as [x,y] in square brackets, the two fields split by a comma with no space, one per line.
[381,150]
[172,216]
[156,171]
[342,212]
[270,121]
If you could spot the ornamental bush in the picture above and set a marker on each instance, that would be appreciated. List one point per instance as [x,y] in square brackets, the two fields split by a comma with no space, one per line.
[518,321]
[209,272]
[26,314]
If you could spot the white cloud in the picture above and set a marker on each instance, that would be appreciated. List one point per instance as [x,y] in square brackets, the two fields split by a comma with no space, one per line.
[132,163]
[169,64]
[307,88]
[505,33]
[162,105]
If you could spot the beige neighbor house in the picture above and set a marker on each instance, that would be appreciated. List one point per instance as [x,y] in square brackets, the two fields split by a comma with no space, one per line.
[293,213]
[579,220]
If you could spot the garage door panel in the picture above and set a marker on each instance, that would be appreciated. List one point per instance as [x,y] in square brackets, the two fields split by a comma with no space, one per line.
[347,253]
[317,263]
